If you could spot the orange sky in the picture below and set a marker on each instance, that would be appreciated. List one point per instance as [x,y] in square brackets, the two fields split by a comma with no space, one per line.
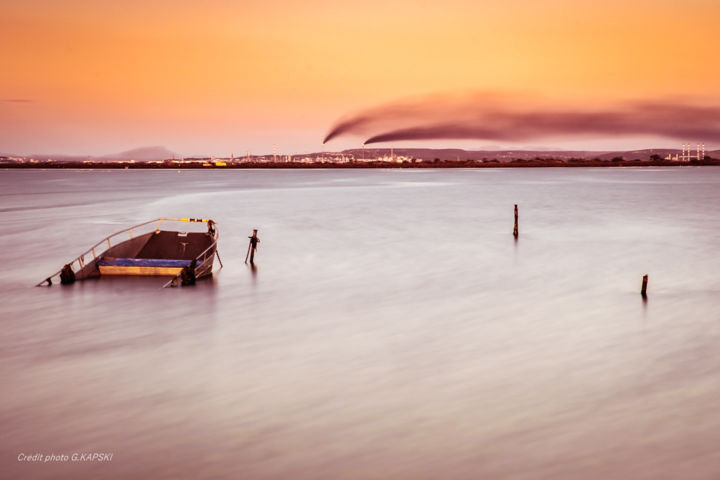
[225,76]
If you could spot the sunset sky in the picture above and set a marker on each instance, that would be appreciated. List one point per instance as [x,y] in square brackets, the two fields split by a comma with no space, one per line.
[220,76]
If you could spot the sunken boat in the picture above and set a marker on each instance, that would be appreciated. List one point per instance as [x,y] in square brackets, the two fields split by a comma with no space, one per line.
[162,251]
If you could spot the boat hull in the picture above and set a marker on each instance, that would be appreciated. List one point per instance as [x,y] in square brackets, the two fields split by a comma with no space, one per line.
[143,266]
[159,253]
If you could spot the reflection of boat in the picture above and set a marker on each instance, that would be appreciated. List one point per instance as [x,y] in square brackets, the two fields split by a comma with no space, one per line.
[182,255]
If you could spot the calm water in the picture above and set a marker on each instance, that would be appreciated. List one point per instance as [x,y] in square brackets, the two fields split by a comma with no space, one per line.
[393,327]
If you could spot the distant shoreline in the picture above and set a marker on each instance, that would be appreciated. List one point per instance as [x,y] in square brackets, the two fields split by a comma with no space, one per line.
[518,163]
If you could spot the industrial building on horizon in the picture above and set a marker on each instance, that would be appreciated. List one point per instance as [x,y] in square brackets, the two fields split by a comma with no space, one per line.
[685,156]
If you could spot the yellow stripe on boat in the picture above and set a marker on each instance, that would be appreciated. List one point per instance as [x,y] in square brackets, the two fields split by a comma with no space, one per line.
[136,270]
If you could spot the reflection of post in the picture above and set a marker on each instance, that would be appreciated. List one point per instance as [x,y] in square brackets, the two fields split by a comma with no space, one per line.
[252,246]
[515,229]
[643,290]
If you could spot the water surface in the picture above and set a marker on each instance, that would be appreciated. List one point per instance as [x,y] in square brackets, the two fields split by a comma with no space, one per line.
[392,329]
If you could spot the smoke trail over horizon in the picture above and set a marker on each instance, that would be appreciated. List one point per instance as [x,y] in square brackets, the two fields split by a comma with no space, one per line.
[378,118]
[519,118]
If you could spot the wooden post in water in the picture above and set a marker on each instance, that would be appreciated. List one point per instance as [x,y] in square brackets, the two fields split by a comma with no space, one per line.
[67,275]
[515,229]
[643,290]
[252,246]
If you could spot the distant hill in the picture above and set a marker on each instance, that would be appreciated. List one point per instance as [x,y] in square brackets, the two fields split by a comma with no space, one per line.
[143,154]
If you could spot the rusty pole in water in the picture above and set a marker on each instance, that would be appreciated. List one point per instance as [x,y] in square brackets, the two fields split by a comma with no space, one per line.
[252,246]
[643,290]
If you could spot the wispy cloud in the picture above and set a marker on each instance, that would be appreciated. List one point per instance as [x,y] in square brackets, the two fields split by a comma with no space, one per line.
[17,100]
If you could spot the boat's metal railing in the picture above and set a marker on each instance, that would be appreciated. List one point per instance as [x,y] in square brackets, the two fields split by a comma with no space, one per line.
[80,259]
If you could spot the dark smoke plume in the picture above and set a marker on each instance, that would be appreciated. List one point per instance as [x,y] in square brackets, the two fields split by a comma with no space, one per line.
[372,119]
[506,118]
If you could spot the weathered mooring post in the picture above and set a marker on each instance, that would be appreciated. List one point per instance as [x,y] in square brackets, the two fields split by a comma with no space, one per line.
[187,275]
[252,246]
[515,229]
[643,290]
[67,275]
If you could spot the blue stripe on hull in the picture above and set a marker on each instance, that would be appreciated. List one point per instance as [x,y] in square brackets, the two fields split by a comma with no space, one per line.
[145,262]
